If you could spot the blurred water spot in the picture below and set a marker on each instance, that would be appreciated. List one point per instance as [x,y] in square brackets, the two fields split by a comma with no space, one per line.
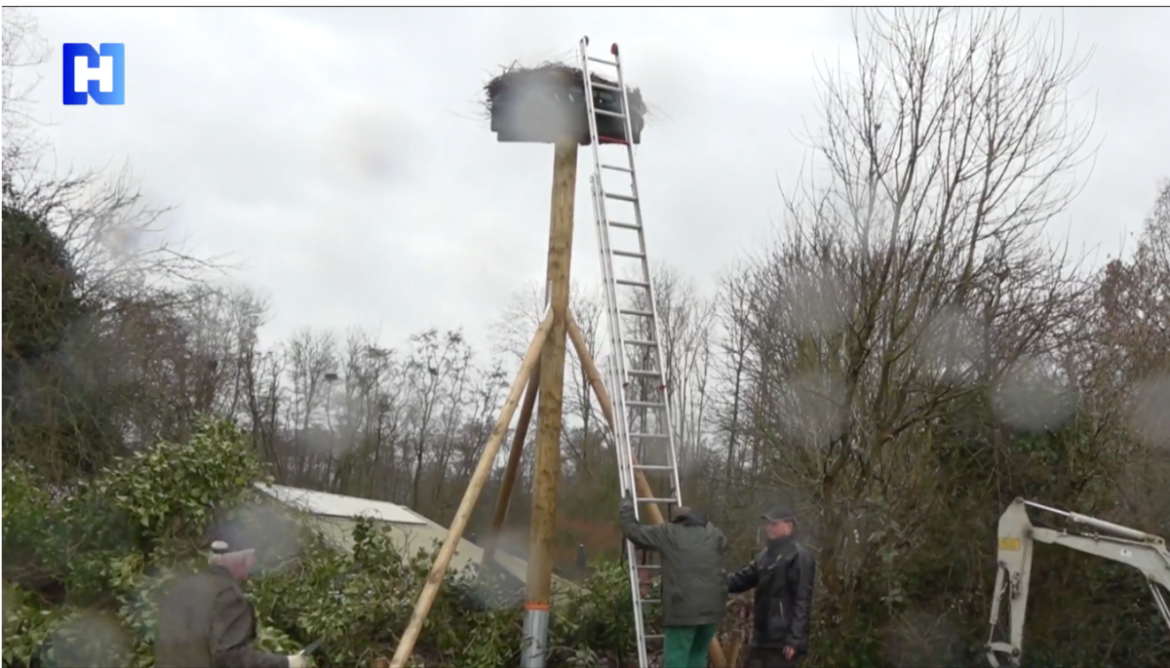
[952,345]
[265,526]
[121,241]
[1031,397]
[370,143]
[919,640]
[91,639]
[815,301]
[323,441]
[1149,415]
[817,412]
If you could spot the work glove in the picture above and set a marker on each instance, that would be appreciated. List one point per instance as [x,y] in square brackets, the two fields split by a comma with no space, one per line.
[628,500]
[298,660]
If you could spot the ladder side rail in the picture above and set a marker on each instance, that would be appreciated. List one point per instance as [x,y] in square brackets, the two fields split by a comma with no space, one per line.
[621,378]
[600,213]
[591,113]
[614,306]
[666,410]
[590,108]
[607,287]
[617,398]
[626,475]
[621,434]
[622,441]
[617,394]
[610,311]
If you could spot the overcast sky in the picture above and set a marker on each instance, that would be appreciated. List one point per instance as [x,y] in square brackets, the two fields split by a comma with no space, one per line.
[341,157]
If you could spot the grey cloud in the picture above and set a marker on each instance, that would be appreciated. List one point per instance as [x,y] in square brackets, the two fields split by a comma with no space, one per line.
[341,154]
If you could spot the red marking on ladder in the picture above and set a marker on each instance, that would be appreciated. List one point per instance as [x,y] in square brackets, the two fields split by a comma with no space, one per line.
[602,139]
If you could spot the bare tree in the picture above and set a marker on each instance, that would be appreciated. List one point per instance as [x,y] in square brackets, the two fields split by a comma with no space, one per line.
[734,346]
[511,334]
[311,360]
[436,371]
[23,49]
[114,234]
[685,321]
[914,279]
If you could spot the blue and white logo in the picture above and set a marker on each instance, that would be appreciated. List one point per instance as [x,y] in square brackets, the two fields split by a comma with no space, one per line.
[90,73]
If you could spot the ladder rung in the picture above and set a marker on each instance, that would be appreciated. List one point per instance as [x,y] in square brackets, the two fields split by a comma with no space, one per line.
[624,226]
[622,253]
[602,61]
[612,114]
[639,435]
[604,86]
[656,499]
[644,373]
[634,284]
[627,311]
[649,601]
[654,636]
[649,567]
[640,342]
[645,404]
[653,467]
[617,168]
[620,197]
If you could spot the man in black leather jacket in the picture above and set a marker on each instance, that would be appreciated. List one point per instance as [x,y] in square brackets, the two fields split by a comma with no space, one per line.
[782,575]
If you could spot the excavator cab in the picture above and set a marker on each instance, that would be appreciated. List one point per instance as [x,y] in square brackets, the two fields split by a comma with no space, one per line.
[1016,540]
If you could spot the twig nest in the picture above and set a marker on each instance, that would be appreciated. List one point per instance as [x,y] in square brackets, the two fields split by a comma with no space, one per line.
[547,103]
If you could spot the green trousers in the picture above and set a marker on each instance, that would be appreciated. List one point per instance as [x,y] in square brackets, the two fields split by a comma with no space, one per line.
[686,646]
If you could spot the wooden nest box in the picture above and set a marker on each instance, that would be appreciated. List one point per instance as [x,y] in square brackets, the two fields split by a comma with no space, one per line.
[545,104]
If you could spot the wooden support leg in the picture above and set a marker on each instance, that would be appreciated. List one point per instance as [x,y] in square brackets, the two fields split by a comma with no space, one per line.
[654,514]
[514,457]
[596,382]
[482,471]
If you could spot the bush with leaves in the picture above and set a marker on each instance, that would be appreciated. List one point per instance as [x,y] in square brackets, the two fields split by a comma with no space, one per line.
[85,566]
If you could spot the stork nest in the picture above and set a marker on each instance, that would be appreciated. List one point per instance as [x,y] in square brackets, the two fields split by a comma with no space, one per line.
[550,76]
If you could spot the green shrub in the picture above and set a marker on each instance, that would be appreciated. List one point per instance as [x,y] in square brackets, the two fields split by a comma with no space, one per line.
[84,567]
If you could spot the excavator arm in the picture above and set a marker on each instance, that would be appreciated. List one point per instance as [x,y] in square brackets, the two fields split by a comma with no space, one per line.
[1017,539]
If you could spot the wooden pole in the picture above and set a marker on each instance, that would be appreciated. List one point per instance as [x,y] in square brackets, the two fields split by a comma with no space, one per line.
[467,505]
[514,455]
[718,659]
[548,436]
[504,499]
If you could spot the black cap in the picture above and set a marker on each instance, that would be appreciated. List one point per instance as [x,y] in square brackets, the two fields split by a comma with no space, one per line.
[779,513]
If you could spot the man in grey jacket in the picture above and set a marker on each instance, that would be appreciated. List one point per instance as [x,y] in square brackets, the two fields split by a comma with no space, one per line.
[205,621]
[694,582]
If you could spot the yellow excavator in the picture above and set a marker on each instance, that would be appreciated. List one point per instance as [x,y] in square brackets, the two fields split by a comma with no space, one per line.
[1018,537]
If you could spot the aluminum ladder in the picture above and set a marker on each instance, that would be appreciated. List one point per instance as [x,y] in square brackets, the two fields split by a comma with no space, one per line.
[643,437]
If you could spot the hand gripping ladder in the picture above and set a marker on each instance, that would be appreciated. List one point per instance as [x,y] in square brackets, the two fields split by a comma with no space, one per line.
[643,436]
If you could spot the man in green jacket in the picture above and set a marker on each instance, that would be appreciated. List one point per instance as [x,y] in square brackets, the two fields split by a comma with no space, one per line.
[205,621]
[694,582]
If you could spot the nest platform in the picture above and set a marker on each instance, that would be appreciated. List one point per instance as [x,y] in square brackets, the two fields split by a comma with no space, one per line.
[545,104]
